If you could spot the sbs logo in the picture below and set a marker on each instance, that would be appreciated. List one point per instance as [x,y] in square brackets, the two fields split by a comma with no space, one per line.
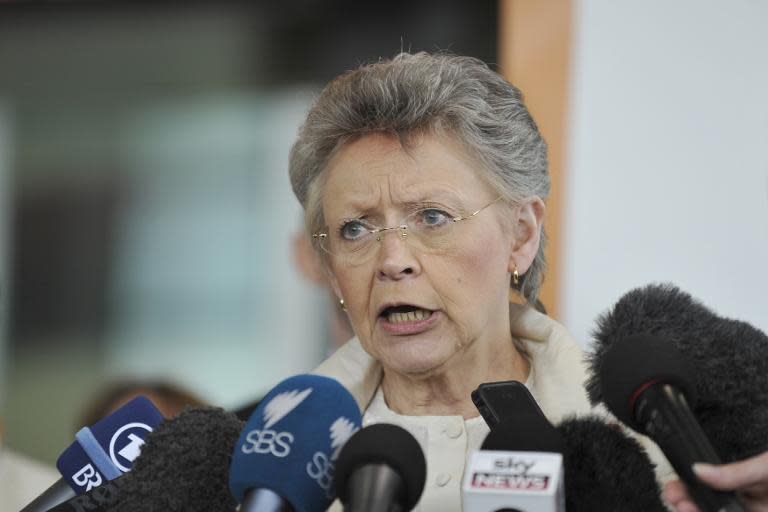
[269,441]
[322,467]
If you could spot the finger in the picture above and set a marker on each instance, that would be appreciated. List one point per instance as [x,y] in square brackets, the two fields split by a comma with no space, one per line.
[677,496]
[755,505]
[686,506]
[750,473]
[675,492]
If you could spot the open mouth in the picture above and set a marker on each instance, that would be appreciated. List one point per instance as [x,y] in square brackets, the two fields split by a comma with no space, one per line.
[405,313]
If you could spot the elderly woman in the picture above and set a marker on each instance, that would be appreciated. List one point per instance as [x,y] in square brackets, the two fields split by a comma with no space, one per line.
[423,180]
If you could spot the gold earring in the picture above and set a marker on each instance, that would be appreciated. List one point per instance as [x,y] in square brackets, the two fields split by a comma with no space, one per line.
[342,305]
[515,277]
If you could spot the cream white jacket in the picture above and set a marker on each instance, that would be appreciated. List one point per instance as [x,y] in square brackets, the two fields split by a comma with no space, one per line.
[558,375]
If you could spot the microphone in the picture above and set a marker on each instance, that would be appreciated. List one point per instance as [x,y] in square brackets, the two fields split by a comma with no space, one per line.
[646,382]
[520,464]
[731,357]
[605,469]
[100,453]
[183,467]
[286,455]
[381,469]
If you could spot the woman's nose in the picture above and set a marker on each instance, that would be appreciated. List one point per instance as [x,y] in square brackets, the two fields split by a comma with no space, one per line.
[396,259]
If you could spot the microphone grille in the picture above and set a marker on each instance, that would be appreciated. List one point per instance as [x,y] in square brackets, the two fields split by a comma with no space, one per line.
[384,443]
[637,361]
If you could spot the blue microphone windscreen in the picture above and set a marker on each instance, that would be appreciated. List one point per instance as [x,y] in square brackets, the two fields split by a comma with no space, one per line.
[110,447]
[292,440]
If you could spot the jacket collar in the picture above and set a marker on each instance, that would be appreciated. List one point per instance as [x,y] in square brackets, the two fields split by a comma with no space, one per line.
[557,363]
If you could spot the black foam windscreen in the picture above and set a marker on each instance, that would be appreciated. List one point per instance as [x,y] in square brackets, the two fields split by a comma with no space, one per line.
[730,358]
[631,364]
[606,470]
[184,465]
[527,433]
[388,444]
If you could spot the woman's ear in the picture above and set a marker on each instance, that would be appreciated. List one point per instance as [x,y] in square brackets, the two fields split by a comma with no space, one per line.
[527,234]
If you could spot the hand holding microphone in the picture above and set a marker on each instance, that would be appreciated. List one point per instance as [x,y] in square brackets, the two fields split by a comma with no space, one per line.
[748,477]
[671,369]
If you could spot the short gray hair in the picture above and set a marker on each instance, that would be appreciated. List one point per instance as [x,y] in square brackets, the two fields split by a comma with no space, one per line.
[414,94]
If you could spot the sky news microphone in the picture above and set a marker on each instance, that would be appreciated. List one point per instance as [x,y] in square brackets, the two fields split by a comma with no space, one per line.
[520,464]
[183,466]
[647,383]
[730,357]
[603,468]
[519,467]
[286,455]
[381,469]
[100,453]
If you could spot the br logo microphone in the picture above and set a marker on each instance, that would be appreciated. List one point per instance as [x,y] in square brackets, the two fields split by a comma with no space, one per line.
[108,449]
[124,448]
[264,440]
[101,453]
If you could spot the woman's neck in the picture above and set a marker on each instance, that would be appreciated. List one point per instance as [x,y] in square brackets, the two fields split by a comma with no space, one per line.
[446,391]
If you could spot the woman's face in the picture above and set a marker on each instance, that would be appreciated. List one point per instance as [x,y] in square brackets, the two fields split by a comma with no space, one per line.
[416,309]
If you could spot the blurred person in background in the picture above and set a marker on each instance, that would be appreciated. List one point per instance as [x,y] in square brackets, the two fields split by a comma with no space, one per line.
[21,478]
[169,398]
[310,266]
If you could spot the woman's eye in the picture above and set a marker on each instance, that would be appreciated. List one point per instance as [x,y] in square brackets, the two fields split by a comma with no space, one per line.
[432,217]
[353,230]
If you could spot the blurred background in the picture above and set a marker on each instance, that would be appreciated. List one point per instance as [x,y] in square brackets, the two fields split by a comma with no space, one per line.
[147,218]
[147,223]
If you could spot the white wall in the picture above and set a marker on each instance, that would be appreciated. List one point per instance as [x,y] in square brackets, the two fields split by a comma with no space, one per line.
[668,166]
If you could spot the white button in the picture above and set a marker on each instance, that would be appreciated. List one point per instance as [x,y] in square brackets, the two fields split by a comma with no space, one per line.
[454,431]
[442,479]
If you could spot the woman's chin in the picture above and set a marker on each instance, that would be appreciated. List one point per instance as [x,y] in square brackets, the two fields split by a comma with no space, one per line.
[417,359]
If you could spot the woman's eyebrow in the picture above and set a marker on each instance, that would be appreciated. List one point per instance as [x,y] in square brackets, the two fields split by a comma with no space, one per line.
[358,207]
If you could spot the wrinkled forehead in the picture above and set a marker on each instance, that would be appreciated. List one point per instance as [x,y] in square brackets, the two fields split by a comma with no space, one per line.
[378,170]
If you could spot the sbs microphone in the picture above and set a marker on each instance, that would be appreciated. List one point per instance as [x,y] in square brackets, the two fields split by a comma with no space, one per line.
[286,455]
[731,358]
[183,467]
[100,453]
[381,469]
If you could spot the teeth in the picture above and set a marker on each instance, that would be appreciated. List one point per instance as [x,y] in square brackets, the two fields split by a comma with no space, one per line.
[410,316]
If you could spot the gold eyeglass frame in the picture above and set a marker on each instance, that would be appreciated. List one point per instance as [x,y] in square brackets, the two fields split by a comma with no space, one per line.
[403,227]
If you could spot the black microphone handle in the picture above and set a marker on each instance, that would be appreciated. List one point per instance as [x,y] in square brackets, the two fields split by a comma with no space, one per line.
[375,488]
[59,492]
[664,414]
[98,499]
[264,500]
